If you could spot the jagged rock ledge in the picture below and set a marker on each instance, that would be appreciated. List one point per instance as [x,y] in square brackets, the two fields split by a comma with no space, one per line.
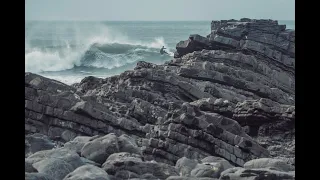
[222,108]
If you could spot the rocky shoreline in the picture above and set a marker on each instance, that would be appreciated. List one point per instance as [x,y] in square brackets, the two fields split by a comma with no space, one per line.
[223,108]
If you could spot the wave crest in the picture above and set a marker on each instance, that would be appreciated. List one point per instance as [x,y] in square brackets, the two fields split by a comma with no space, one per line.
[106,50]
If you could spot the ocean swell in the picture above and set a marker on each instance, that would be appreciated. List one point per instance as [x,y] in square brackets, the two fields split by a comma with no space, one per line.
[103,51]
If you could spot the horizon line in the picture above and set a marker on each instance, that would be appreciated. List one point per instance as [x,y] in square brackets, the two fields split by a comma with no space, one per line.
[146,20]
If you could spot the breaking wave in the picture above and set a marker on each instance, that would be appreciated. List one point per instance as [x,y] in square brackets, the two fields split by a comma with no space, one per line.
[102,49]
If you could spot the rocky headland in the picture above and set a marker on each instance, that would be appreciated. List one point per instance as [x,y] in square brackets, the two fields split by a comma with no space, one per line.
[223,108]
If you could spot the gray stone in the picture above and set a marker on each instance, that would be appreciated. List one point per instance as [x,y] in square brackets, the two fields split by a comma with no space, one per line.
[133,163]
[276,164]
[53,153]
[68,135]
[262,173]
[189,178]
[37,176]
[124,174]
[195,42]
[185,165]
[38,142]
[207,170]
[89,162]
[128,144]
[28,167]
[56,163]
[77,143]
[124,156]
[88,172]
[98,150]
[56,168]
[212,160]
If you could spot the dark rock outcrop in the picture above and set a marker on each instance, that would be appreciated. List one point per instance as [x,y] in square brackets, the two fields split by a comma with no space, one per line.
[194,43]
[225,100]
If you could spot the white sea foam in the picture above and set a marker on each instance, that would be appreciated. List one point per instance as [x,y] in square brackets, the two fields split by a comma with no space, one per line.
[47,58]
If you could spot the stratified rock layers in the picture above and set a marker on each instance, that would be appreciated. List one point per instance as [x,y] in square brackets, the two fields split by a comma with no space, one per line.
[229,95]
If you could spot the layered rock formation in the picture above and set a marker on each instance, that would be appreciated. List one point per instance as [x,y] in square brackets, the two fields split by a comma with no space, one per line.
[224,100]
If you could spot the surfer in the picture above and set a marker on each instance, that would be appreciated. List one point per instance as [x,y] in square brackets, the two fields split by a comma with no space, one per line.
[162,50]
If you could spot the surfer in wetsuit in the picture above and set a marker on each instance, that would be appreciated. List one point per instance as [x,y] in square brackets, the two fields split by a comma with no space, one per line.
[162,50]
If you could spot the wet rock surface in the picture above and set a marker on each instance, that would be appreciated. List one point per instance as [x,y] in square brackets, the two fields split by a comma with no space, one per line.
[223,108]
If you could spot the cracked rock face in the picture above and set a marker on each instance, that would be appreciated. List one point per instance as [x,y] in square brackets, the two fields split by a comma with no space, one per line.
[223,102]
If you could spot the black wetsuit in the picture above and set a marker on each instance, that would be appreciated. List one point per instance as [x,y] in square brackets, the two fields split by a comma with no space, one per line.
[162,51]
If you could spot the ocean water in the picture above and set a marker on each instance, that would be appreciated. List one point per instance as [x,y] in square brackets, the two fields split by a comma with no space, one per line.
[68,51]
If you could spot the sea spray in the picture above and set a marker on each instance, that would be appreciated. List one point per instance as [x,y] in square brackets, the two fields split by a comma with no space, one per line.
[101,49]
[68,51]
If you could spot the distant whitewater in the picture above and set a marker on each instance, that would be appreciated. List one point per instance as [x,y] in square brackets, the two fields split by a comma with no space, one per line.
[70,51]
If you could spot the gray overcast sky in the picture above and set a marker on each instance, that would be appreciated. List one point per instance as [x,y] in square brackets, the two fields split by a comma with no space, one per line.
[149,10]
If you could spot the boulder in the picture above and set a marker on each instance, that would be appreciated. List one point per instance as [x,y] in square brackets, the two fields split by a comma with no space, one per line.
[88,172]
[128,144]
[87,161]
[125,174]
[56,163]
[98,150]
[28,167]
[276,164]
[56,168]
[262,173]
[217,160]
[207,170]
[37,176]
[189,178]
[185,165]
[38,142]
[134,163]
[110,165]
[77,143]
[68,135]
